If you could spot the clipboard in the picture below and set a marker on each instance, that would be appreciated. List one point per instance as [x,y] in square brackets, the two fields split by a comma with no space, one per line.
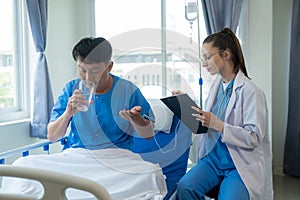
[180,105]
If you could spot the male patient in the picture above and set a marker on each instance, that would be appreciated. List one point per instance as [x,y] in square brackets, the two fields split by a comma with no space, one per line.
[101,137]
[118,107]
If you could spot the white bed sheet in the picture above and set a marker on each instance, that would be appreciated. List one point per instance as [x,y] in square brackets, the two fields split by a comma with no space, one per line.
[124,174]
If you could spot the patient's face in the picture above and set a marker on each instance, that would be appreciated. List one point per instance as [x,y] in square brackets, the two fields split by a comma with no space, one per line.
[96,72]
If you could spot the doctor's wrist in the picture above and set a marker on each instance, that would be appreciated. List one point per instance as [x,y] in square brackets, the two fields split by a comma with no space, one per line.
[220,127]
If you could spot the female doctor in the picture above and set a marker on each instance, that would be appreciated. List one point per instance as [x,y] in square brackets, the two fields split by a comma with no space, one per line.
[236,152]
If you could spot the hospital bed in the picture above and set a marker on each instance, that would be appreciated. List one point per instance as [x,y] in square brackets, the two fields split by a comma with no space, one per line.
[169,150]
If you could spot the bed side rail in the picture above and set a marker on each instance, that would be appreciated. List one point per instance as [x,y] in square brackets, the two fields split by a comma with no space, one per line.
[24,150]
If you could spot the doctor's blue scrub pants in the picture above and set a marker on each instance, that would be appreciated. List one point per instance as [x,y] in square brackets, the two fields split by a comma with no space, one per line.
[203,177]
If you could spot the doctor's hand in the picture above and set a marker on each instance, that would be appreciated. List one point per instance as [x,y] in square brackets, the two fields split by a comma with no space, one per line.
[176,92]
[208,119]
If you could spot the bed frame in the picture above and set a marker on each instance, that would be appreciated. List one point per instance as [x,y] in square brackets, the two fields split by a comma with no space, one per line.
[55,183]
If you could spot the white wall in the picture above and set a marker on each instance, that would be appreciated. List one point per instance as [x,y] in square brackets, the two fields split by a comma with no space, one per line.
[69,21]
[259,48]
[266,59]
[282,10]
[268,63]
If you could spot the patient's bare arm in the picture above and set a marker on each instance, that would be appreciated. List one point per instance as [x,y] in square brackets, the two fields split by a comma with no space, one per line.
[57,129]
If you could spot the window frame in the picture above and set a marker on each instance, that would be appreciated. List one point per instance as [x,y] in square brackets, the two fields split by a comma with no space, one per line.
[21,108]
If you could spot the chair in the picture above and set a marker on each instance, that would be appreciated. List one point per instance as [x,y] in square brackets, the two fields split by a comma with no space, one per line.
[55,183]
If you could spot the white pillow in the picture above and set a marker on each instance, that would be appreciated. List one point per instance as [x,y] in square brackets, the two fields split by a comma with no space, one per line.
[163,115]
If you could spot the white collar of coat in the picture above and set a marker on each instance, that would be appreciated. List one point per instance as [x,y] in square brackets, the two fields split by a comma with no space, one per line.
[238,82]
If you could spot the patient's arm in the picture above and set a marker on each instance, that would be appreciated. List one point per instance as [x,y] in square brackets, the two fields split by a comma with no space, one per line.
[57,129]
[144,128]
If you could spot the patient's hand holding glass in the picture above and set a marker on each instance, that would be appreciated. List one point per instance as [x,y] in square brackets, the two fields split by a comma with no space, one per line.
[86,88]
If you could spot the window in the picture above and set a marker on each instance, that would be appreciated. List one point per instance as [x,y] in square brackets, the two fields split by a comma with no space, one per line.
[157,38]
[12,91]
[155,43]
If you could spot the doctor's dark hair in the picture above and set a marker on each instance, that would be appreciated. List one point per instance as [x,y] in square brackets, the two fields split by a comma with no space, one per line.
[226,39]
[92,50]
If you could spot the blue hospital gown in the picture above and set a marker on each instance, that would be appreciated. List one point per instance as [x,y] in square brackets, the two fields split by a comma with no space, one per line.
[101,126]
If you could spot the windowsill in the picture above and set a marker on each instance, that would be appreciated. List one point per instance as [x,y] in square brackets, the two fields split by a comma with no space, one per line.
[13,122]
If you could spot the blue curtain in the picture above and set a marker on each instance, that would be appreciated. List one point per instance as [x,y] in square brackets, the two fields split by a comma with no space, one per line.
[292,140]
[219,14]
[43,97]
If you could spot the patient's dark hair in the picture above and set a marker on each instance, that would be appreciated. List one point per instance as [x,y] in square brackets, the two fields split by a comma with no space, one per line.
[226,39]
[92,50]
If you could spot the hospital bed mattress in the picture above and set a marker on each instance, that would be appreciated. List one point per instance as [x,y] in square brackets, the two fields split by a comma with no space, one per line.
[125,175]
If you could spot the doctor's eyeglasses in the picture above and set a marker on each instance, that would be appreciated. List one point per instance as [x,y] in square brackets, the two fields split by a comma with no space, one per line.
[207,56]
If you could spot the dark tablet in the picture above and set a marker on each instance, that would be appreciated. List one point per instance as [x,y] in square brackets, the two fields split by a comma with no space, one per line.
[180,105]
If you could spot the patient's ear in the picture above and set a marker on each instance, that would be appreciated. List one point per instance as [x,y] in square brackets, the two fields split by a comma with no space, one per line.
[109,66]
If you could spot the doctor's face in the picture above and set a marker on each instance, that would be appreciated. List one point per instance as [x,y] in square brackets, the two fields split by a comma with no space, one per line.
[211,59]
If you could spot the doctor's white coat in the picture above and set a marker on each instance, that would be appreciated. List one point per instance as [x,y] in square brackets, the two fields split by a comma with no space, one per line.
[246,135]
